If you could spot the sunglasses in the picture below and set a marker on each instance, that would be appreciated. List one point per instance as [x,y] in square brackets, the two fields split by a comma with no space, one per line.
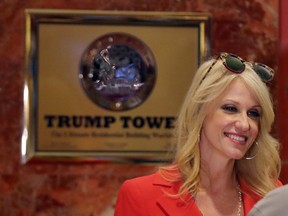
[237,65]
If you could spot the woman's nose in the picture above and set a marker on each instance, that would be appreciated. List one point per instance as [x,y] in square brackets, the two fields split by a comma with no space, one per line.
[242,123]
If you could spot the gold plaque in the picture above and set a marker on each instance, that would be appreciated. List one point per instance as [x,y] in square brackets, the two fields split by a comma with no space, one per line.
[106,85]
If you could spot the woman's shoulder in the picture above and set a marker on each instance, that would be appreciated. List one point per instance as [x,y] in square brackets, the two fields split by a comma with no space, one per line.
[279,183]
[162,177]
[147,180]
[156,183]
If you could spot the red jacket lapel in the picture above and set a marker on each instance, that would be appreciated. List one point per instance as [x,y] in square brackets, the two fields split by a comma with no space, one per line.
[170,205]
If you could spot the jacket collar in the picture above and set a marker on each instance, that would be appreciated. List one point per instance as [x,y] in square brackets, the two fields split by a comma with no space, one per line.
[171,205]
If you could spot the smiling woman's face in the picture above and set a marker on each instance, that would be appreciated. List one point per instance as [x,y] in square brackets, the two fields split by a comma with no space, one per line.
[232,123]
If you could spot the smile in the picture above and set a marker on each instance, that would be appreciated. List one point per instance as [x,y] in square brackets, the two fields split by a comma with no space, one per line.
[235,137]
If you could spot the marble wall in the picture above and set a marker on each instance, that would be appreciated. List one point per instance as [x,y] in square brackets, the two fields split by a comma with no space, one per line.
[248,28]
[282,87]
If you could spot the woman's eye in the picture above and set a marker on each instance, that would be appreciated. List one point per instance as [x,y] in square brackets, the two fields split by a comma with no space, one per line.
[253,113]
[229,108]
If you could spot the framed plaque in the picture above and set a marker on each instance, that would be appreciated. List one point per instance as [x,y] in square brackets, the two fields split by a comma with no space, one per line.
[107,85]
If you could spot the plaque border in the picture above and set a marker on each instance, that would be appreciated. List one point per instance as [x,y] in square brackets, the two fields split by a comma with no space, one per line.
[36,17]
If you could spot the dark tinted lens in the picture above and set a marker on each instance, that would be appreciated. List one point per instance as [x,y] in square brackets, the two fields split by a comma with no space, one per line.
[264,72]
[234,64]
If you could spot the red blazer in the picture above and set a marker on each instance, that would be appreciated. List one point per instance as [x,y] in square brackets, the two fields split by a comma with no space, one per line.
[145,196]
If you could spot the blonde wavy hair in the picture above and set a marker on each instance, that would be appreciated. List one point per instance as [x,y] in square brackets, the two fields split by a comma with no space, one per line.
[260,173]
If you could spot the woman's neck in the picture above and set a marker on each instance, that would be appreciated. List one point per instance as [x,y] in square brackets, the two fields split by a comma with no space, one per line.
[217,175]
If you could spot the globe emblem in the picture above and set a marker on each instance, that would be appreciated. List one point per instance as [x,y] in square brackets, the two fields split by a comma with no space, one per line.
[118,72]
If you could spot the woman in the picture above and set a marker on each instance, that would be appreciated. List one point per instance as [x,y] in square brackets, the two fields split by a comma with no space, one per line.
[225,159]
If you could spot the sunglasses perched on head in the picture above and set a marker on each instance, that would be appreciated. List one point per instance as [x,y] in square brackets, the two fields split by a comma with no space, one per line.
[237,65]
